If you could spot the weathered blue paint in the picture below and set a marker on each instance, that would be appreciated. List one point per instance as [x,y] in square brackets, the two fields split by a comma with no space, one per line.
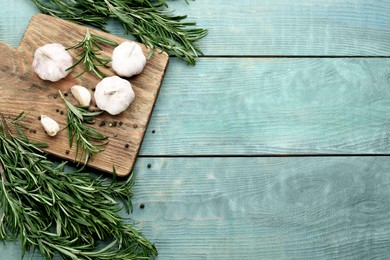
[266,27]
[253,106]
[266,208]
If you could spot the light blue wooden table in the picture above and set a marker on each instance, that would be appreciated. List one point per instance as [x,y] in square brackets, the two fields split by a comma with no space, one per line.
[276,144]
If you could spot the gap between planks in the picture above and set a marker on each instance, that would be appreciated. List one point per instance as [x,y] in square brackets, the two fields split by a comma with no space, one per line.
[291,57]
[262,155]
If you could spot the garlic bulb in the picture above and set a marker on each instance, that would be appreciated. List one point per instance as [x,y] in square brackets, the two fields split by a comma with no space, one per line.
[51,127]
[128,59]
[81,94]
[114,95]
[51,61]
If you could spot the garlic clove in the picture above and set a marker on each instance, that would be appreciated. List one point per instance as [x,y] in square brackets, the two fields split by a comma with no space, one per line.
[128,59]
[50,125]
[51,62]
[114,95]
[81,94]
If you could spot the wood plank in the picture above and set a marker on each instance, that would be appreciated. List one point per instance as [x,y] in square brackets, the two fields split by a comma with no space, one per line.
[23,91]
[253,106]
[266,208]
[262,208]
[14,18]
[267,27]
[285,27]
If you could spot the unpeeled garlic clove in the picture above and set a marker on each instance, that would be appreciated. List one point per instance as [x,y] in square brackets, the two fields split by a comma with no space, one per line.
[50,125]
[81,94]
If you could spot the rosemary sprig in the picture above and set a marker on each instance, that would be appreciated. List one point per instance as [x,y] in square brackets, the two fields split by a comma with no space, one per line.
[88,141]
[65,213]
[147,20]
[90,54]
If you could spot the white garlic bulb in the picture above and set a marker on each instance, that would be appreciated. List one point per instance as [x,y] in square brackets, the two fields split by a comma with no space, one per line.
[114,95]
[50,125]
[128,59]
[51,62]
[81,94]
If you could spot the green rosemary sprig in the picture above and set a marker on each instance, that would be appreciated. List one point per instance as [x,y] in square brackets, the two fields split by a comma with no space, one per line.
[88,141]
[147,20]
[90,54]
[65,213]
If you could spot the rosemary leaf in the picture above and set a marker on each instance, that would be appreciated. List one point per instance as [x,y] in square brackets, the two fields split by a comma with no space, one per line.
[90,54]
[65,213]
[147,20]
[88,141]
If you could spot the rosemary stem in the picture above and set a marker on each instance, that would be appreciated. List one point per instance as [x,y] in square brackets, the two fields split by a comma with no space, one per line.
[2,173]
[147,20]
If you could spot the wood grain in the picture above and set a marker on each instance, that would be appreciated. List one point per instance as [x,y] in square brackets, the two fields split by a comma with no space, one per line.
[290,28]
[262,208]
[22,90]
[253,106]
[265,208]
[267,27]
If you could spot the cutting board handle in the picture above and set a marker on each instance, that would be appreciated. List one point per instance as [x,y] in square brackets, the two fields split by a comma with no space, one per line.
[7,58]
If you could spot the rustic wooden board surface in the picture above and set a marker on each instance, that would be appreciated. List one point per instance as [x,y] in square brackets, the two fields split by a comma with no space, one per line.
[257,106]
[291,28]
[266,27]
[22,90]
[265,208]
[262,208]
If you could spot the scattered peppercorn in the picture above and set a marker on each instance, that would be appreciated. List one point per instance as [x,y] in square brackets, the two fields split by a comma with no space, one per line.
[127,145]
[142,206]
[153,131]
[39,117]
[149,165]
[61,112]
[120,123]
[102,123]
[67,152]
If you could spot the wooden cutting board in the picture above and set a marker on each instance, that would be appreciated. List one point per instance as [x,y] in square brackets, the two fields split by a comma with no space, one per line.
[22,90]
